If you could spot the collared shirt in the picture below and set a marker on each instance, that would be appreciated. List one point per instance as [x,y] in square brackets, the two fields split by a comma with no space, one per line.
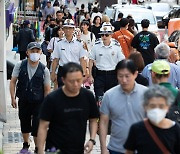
[106,57]
[67,51]
[174,78]
[124,109]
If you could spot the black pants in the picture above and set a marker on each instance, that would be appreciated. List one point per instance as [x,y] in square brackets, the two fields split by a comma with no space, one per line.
[29,117]
[104,81]
[59,76]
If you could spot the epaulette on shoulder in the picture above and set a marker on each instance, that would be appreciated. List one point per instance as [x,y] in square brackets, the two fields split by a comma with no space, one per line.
[60,40]
[79,40]
[98,41]
[116,42]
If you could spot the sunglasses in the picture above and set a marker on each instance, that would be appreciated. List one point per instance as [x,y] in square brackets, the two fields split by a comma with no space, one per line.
[105,35]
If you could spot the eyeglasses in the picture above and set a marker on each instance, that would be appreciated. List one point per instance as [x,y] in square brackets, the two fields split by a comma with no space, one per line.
[105,35]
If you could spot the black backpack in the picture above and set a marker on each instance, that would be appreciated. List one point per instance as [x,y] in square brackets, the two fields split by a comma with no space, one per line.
[174,111]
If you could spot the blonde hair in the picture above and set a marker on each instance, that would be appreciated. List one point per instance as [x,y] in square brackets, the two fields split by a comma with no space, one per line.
[105,18]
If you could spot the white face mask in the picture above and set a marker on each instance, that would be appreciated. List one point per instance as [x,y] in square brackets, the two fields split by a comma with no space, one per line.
[34,57]
[156,115]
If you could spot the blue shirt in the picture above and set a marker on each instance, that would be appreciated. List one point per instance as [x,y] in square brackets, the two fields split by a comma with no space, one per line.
[174,78]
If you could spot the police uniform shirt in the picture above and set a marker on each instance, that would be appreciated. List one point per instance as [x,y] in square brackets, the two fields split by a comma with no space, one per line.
[106,57]
[67,51]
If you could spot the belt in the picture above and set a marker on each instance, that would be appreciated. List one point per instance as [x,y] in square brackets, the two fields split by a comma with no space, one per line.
[103,72]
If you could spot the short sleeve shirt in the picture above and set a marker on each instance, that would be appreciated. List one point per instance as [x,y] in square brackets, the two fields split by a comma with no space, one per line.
[69,51]
[53,42]
[140,140]
[68,119]
[124,37]
[145,42]
[31,72]
[123,110]
[106,57]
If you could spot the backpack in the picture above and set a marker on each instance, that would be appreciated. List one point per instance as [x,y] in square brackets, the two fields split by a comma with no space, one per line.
[174,111]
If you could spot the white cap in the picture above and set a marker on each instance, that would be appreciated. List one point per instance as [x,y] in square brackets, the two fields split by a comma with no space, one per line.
[106,28]
[68,23]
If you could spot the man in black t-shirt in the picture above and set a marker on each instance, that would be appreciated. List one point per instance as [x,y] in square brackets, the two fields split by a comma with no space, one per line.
[65,112]
[145,42]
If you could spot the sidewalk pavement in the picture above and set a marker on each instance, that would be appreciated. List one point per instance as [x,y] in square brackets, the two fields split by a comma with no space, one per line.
[12,138]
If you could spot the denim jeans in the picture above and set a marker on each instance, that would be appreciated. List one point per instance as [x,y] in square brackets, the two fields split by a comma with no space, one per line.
[114,152]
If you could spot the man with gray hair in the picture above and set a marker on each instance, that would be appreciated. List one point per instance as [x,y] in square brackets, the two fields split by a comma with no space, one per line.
[162,51]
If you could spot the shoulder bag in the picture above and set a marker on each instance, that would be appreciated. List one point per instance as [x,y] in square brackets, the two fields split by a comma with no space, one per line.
[155,137]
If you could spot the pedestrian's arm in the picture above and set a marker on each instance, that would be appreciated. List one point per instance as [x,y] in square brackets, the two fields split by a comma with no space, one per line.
[90,66]
[12,91]
[42,134]
[103,129]
[47,82]
[93,130]
[13,87]
[129,152]
[47,89]
[83,64]
[93,126]
[54,66]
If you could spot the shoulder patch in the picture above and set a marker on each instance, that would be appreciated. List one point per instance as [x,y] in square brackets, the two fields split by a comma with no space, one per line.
[115,42]
[79,40]
[97,42]
[59,40]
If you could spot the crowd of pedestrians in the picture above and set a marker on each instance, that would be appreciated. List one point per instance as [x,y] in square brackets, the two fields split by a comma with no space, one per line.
[133,77]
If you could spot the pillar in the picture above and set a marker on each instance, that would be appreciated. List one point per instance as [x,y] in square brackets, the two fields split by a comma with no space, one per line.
[3,79]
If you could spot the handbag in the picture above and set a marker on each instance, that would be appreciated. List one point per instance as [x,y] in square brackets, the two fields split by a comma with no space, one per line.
[174,111]
[155,137]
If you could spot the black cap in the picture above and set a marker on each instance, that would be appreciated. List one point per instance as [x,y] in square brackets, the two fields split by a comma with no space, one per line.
[33,45]
[26,22]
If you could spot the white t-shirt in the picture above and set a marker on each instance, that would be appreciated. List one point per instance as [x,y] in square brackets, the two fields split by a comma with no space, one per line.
[53,42]
[87,39]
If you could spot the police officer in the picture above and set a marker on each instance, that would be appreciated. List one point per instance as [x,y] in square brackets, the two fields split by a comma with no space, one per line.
[68,49]
[33,84]
[105,54]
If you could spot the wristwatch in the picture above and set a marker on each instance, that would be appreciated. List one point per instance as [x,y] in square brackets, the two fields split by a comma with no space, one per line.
[93,141]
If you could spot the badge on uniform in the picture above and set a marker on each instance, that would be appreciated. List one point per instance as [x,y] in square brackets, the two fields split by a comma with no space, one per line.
[113,53]
[100,54]
[62,49]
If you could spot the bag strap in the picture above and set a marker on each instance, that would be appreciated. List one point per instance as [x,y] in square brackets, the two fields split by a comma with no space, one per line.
[53,43]
[124,37]
[155,137]
[91,35]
